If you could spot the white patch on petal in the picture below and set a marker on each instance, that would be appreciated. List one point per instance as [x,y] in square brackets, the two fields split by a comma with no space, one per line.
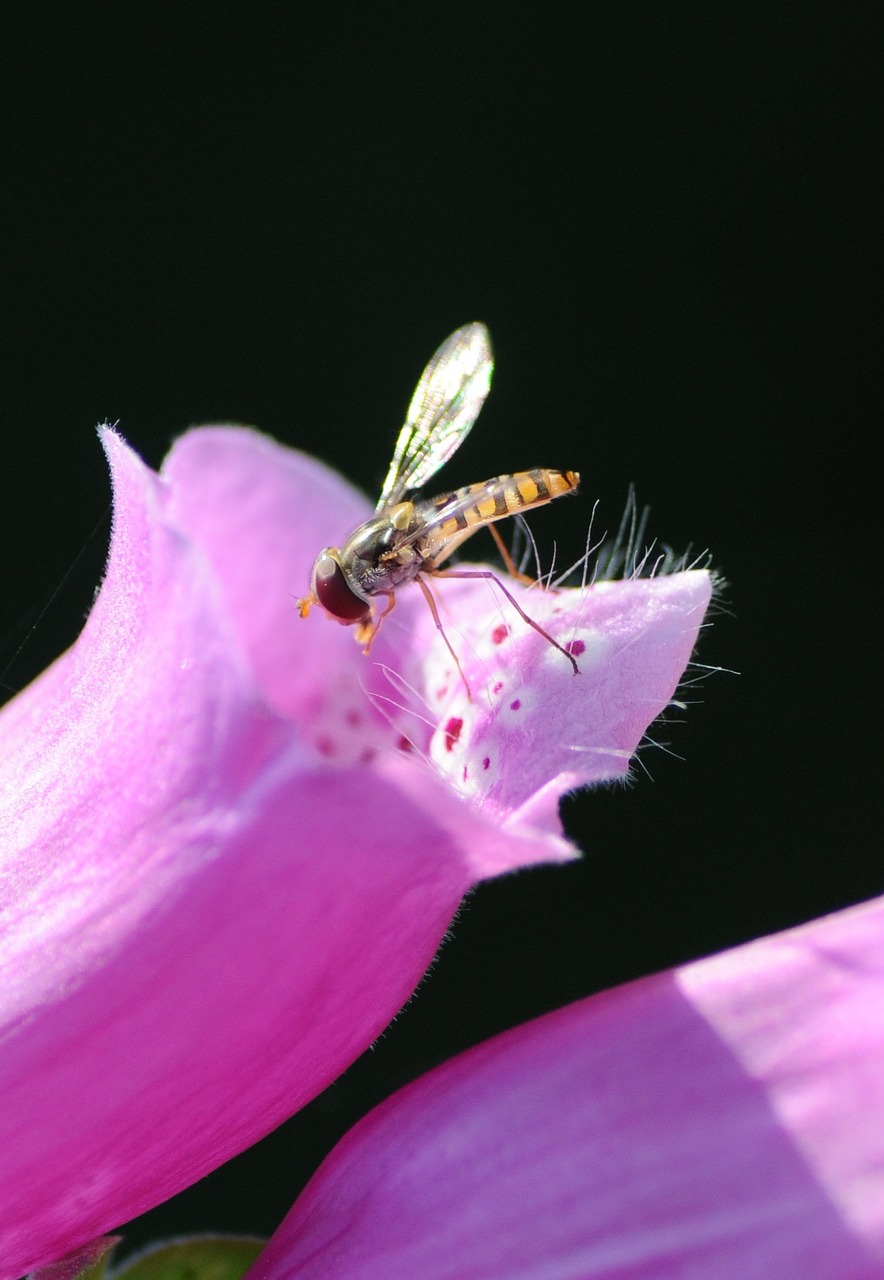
[344,728]
[590,648]
[449,745]
[519,702]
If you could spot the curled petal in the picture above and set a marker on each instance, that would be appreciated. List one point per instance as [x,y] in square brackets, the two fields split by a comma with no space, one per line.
[633,640]
[724,1120]
[220,872]
[203,922]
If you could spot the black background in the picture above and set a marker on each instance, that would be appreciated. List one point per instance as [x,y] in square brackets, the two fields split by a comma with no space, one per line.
[665,214]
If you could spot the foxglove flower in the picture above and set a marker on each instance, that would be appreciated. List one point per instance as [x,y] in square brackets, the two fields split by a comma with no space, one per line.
[725,1119]
[230,844]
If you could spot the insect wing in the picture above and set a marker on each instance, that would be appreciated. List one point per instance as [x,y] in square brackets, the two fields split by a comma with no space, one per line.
[446,403]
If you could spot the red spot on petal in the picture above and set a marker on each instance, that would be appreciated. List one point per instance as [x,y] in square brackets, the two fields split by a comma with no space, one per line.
[353,717]
[486,763]
[497,688]
[575,648]
[405,744]
[515,704]
[499,634]
[366,755]
[464,773]
[325,747]
[452,732]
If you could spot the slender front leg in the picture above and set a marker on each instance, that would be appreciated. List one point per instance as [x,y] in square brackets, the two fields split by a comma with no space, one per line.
[508,562]
[486,573]
[428,596]
[366,631]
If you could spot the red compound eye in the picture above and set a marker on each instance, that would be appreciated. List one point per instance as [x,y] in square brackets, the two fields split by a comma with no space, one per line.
[334,595]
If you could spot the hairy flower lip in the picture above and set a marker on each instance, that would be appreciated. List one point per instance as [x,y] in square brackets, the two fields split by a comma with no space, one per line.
[206,916]
[354,710]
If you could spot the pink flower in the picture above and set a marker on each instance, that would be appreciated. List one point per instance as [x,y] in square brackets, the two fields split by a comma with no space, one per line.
[230,844]
[723,1120]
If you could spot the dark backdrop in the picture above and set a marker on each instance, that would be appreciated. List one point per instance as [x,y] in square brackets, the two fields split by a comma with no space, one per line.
[665,217]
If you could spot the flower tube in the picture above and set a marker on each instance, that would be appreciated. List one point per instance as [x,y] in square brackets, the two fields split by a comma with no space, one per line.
[230,844]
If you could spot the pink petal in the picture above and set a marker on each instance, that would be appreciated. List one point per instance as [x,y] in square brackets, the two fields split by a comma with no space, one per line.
[722,1120]
[261,513]
[203,923]
[633,640]
[220,877]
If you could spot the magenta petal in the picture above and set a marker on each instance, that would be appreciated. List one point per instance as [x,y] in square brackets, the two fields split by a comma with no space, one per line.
[722,1120]
[221,872]
[633,640]
[261,513]
[203,923]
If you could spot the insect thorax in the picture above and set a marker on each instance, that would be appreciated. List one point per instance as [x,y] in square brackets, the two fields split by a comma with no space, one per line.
[382,554]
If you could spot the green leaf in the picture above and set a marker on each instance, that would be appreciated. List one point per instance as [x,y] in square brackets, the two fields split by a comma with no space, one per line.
[197,1258]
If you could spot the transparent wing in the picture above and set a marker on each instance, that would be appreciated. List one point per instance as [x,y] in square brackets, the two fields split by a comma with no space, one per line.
[446,403]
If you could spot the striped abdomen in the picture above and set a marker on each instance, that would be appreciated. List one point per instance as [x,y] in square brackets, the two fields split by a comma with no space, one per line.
[453,517]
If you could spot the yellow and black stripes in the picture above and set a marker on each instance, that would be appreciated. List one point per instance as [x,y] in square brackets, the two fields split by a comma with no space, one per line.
[452,517]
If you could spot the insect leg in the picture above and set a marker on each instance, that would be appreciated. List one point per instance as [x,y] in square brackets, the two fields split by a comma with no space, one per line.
[486,573]
[428,596]
[366,631]
[508,562]
[305,604]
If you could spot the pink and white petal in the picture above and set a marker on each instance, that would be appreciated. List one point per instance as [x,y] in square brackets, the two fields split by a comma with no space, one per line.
[632,640]
[725,1119]
[237,493]
[203,920]
[262,513]
[203,924]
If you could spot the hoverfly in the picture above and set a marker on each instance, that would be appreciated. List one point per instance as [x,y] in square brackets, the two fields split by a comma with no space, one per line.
[410,536]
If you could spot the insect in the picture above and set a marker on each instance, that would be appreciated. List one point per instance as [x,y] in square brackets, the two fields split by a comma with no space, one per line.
[410,537]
